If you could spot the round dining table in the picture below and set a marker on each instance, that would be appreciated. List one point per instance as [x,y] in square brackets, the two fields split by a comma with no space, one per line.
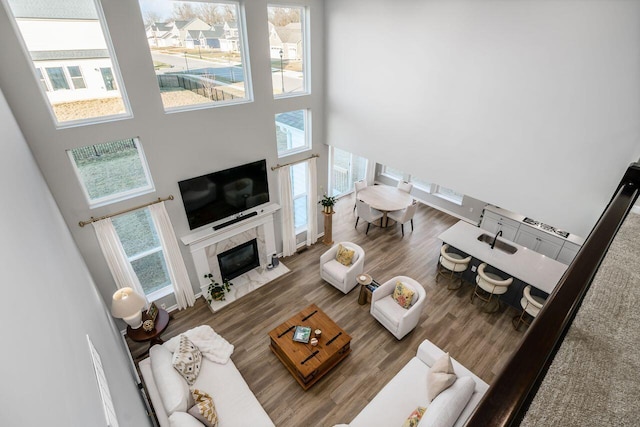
[385,199]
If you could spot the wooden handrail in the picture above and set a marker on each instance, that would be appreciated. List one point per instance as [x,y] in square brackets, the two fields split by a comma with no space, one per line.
[509,396]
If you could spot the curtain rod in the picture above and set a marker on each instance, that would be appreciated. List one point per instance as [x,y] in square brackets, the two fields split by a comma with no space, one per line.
[278,166]
[160,199]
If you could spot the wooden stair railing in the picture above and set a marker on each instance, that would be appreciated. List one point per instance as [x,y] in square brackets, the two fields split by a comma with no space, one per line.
[509,396]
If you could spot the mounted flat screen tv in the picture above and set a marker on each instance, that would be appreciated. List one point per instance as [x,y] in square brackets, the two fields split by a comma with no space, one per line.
[221,194]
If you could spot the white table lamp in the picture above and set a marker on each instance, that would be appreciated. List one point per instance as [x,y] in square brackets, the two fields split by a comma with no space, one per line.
[127,305]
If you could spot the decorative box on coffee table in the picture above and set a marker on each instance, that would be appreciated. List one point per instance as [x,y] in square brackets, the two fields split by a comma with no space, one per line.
[308,363]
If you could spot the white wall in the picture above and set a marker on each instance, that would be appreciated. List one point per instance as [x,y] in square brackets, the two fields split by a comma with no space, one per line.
[50,304]
[529,105]
[177,145]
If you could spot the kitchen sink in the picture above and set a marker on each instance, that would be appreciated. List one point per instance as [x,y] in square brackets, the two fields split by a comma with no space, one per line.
[504,247]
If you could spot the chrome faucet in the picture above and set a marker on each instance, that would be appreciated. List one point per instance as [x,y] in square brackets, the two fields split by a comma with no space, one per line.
[499,233]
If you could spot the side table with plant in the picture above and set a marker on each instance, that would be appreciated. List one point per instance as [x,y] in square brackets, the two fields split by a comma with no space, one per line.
[328,202]
[216,291]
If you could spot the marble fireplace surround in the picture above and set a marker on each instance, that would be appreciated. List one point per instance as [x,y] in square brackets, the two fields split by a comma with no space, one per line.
[206,244]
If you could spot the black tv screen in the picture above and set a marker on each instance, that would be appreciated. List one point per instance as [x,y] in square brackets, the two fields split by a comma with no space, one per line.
[218,195]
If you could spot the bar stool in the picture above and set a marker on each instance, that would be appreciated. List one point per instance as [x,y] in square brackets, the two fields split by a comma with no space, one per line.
[531,304]
[453,264]
[490,284]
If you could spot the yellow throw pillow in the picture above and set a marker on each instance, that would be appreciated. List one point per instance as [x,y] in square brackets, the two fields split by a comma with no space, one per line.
[414,419]
[344,255]
[204,410]
[403,295]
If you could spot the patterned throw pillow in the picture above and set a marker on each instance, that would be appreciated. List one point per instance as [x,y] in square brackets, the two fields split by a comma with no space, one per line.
[414,419]
[403,295]
[204,410]
[344,255]
[187,359]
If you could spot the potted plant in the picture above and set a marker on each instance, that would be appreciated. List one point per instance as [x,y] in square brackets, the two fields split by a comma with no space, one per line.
[327,203]
[216,291]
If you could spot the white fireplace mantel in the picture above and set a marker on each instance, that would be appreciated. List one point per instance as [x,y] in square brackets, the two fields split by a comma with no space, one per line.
[200,240]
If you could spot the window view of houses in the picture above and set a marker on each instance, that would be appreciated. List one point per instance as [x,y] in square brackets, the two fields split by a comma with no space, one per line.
[197,50]
[286,44]
[77,74]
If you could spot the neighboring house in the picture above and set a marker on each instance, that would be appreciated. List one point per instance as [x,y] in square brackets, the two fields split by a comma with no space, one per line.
[194,33]
[68,49]
[184,27]
[288,39]
[292,125]
[211,38]
[231,40]
[159,34]
[192,39]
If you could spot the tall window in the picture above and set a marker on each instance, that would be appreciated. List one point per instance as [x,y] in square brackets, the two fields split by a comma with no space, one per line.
[299,192]
[287,35]
[198,52]
[292,132]
[59,37]
[142,246]
[346,168]
[111,171]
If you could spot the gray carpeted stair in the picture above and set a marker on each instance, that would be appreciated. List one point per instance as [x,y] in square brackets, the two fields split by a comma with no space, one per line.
[594,379]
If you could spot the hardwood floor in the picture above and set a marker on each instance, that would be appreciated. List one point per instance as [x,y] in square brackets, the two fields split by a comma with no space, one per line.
[480,341]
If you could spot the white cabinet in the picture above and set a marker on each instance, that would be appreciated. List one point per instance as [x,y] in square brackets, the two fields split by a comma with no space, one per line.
[493,222]
[534,238]
[539,241]
[568,252]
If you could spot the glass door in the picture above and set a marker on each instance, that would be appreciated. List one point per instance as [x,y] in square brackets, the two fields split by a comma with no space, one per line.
[346,168]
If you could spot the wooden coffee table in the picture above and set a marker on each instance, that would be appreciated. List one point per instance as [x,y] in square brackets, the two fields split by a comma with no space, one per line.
[305,362]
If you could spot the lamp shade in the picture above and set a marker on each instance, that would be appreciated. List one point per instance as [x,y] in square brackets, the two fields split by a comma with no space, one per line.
[127,305]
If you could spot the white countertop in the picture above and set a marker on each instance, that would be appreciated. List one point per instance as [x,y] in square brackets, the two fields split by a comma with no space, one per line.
[531,267]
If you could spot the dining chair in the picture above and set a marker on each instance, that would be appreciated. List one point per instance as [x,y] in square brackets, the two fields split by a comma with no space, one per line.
[531,305]
[405,186]
[490,284]
[358,185]
[367,213]
[404,216]
[452,263]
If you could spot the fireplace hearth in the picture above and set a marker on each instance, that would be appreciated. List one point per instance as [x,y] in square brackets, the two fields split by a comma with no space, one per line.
[238,260]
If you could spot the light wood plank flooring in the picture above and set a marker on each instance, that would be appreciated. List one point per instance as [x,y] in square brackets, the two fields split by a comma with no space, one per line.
[482,342]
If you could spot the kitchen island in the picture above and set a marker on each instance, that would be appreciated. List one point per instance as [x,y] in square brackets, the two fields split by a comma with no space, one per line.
[525,265]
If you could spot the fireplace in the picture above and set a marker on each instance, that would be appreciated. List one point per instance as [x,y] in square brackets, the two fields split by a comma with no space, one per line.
[238,260]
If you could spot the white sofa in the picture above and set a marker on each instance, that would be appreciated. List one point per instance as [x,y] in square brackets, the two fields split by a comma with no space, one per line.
[235,403]
[408,390]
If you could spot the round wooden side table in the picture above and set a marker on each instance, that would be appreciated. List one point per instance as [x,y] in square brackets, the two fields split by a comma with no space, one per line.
[160,324]
[365,294]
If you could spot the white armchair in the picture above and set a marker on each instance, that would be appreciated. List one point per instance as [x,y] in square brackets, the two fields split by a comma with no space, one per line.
[341,276]
[398,320]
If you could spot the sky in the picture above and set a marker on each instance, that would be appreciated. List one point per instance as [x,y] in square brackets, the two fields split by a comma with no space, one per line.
[164,8]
